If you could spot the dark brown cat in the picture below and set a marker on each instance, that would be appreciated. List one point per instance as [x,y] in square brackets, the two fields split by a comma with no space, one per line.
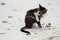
[33,16]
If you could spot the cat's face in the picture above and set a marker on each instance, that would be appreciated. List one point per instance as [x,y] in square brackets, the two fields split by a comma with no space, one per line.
[42,10]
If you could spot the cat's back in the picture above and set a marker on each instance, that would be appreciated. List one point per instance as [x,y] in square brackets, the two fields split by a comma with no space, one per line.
[32,10]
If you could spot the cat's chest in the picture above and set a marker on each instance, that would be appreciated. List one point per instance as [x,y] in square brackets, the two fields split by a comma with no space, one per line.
[36,16]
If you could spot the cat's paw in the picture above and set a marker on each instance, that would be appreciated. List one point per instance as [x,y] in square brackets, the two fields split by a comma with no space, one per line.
[40,26]
[28,34]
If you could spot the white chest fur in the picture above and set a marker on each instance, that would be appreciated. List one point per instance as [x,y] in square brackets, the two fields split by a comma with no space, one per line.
[36,15]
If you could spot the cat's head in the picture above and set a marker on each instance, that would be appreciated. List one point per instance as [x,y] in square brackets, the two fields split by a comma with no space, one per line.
[42,10]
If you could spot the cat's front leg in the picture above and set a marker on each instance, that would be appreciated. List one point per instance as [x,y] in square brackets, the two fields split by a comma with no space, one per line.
[39,24]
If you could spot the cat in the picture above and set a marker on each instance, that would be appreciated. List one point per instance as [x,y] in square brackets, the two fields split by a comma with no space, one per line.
[33,16]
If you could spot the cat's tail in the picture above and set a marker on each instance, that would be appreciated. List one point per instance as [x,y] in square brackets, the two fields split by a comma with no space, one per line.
[22,29]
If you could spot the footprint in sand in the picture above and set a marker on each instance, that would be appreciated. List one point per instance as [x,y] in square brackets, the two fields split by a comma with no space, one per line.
[2,3]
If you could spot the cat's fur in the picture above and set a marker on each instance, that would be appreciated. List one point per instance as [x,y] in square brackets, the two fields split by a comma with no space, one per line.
[33,16]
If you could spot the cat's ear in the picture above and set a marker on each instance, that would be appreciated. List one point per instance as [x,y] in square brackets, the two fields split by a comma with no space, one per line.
[40,6]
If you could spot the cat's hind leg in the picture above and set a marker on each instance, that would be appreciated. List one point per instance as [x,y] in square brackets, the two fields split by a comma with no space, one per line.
[29,22]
